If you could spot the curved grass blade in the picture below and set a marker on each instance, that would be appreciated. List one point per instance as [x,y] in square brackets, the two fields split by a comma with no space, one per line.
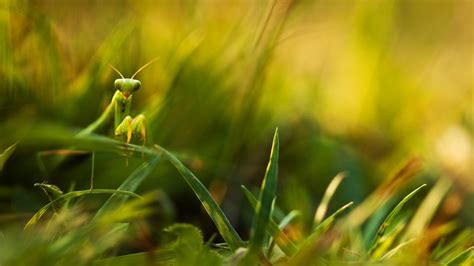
[289,218]
[71,195]
[331,189]
[427,209]
[284,222]
[442,251]
[382,194]
[386,223]
[285,244]
[215,212]
[6,154]
[387,241]
[309,248]
[266,199]
[396,249]
[130,185]
[326,223]
[466,257]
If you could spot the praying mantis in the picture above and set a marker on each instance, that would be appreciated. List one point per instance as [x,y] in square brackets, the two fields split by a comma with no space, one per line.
[126,128]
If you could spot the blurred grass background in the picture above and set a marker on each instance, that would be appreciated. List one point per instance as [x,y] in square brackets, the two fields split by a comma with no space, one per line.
[355,86]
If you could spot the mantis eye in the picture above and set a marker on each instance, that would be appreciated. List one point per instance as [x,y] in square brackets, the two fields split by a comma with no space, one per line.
[137,85]
[118,85]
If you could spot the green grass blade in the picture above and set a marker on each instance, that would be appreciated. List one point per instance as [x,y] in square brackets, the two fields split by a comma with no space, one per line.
[215,212]
[386,223]
[6,154]
[289,218]
[331,189]
[308,248]
[465,257]
[283,223]
[387,241]
[266,198]
[326,223]
[397,249]
[130,185]
[427,209]
[443,251]
[71,195]
[285,244]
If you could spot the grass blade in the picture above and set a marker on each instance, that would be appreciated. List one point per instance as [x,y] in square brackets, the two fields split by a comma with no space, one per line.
[396,249]
[386,223]
[465,257]
[284,222]
[289,218]
[6,154]
[130,185]
[266,199]
[443,251]
[324,226]
[215,212]
[382,194]
[74,194]
[427,209]
[285,244]
[331,189]
[309,249]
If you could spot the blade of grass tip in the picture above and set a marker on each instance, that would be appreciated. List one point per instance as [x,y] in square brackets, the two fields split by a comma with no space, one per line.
[265,200]
[285,244]
[289,218]
[390,218]
[465,257]
[74,194]
[283,223]
[130,184]
[214,211]
[382,194]
[427,209]
[6,154]
[326,223]
[331,189]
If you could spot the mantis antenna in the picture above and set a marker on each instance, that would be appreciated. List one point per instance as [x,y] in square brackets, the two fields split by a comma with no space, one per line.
[116,70]
[144,66]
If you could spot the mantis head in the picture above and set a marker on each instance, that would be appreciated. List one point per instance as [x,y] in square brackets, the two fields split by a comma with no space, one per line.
[128,86]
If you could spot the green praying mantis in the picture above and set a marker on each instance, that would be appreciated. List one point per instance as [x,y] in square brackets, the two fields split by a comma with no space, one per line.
[126,128]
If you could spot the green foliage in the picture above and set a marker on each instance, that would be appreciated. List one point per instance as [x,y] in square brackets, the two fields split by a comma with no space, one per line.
[188,246]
